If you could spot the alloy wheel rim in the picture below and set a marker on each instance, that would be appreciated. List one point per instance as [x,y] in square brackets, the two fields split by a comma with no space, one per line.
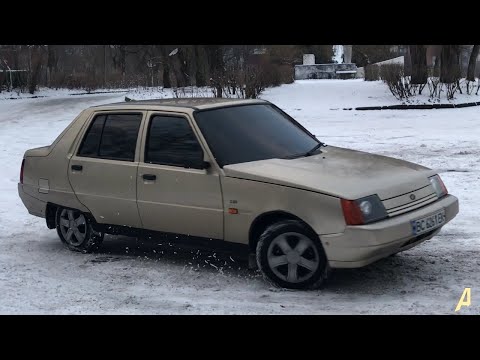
[293,257]
[73,226]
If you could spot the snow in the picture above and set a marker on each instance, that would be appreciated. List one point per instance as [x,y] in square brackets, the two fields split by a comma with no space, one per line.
[47,92]
[339,94]
[38,275]
[161,93]
[337,54]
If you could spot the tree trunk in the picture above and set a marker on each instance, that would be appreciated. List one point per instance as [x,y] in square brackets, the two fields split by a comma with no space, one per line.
[166,75]
[35,64]
[166,67]
[199,74]
[51,62]
[215,60]
[407,63]
[436,67]
[472,63]
[418,56]
[182,77]
[123,62]
[450,66]
[104,66]
[219,91]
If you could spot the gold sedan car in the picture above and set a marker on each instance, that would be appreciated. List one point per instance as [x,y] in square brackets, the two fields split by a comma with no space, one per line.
[231,172]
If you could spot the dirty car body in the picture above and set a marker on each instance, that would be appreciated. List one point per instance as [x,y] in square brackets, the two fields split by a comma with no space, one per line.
[238,171]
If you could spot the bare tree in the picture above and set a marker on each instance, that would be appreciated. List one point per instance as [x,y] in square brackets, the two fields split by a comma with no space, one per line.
[200,66]
[407,62]
[450,68]
[123,60]
[419,74]
[217,67]
[470,80]
[51,62]
[472,63]
[91,66]
[183,61]
[166,66]
[35,66]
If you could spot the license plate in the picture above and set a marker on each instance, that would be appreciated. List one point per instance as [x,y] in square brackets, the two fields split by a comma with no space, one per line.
[428,223]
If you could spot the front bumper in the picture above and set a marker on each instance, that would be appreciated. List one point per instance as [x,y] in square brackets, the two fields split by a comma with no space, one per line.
[361,245]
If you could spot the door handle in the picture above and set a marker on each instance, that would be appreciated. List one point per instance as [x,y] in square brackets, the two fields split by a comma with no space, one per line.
[149,177]
[77,167]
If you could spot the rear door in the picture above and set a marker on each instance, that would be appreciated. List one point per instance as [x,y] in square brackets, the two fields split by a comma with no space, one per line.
[175,194]
[103,169]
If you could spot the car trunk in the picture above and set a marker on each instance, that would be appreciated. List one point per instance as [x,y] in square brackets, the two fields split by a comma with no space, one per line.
[40,151]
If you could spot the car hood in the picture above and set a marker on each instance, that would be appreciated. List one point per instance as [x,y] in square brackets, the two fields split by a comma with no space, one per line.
[340,172]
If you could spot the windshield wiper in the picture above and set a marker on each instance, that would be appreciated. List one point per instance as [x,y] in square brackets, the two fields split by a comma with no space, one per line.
[315,148]
[308,153]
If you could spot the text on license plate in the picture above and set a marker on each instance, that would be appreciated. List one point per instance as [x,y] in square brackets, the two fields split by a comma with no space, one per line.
[427,223]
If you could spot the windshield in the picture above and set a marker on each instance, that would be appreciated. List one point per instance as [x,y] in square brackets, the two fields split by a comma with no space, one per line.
[245,133]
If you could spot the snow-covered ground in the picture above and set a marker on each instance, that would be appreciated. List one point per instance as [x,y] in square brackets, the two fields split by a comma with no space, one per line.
[336,94]
[47,92]
[357,92]
[38,275]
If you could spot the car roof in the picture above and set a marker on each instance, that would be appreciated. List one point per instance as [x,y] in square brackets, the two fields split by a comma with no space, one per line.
[186,103]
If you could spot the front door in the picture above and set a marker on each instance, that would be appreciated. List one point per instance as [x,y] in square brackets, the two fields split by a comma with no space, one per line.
[175,193]
[103,171]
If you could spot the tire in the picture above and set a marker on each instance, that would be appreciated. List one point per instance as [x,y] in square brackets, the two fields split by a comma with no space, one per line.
[76,232]
[290,256]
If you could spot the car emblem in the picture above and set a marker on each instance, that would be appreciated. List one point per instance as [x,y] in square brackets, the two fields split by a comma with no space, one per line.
[412,196]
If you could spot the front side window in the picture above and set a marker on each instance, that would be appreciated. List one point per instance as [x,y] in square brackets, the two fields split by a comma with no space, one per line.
[244,133]
[171,141]
[112,136]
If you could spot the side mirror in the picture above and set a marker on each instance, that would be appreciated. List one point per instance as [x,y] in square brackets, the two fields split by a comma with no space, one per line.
[200,164]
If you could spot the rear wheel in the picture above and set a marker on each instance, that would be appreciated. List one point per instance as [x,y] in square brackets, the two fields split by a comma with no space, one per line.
[290,256]
[76,232]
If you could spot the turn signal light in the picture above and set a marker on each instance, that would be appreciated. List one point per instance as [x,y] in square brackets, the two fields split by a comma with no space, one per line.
[351,212]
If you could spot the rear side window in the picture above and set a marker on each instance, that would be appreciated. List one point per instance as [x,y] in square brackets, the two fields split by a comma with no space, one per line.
[112,136]
[171,141]
[92,138]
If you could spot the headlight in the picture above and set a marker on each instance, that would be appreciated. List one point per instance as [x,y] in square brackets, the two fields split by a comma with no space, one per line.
[438,186]
[364,210]
[366,207]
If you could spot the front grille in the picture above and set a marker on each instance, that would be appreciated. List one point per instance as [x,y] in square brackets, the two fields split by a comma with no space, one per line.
[402,204]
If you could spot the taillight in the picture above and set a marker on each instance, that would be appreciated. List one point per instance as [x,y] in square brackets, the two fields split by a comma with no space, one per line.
[351,212]
[21,171]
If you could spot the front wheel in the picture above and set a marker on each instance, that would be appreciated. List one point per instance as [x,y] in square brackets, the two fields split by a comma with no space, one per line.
[76,232]
[289,255]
